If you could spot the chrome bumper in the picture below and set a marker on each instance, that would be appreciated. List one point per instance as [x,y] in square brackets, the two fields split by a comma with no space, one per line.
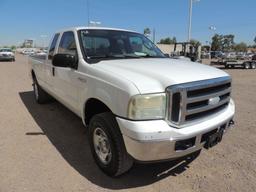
[3,58]
[156,140]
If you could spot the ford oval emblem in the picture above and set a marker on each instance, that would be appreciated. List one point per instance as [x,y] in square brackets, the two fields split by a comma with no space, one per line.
[214,101]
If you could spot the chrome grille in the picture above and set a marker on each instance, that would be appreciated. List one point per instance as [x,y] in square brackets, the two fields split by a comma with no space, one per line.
[194,101]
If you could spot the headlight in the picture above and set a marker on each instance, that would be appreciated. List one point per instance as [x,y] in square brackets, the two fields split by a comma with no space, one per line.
[143,107]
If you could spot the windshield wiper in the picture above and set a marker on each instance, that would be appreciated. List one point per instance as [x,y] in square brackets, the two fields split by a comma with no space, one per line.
[113,56]
[149,56]
[97,56]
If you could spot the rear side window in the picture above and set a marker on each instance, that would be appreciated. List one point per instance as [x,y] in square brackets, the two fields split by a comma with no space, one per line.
[53,45]
[68,44]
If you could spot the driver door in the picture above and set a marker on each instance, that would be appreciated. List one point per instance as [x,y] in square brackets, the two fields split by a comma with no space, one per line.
[65,78]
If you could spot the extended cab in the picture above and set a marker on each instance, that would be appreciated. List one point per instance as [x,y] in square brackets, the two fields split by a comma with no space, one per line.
[137,104]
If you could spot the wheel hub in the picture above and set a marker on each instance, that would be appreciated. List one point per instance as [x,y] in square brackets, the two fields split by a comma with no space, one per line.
[36,90]
[102,146]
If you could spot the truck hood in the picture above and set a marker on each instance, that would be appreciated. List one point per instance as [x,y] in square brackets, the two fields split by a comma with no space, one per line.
[152,75]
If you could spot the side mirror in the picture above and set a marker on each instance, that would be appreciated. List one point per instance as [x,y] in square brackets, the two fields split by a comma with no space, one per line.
[64,60]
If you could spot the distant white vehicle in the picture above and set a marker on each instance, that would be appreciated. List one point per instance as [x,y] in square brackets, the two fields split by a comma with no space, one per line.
[231,55]
[6,54]
[41,53]
[28,52]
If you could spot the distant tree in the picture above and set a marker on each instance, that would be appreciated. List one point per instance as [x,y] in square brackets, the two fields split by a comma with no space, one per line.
[205,48]
[195,42]
[254,40]
[240,47]
[147,31]
[13,47]
[216,42]
[168,40]
[223,42]
[228,42]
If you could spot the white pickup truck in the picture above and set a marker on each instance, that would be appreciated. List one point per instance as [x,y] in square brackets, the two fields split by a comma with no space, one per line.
[137,104]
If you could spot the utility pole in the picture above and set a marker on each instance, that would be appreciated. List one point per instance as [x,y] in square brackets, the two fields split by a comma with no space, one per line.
[211,28]
[190,18]
[154,35]
[88,13]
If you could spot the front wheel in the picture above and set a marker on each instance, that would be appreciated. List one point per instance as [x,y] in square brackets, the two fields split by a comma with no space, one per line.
[253,65]
[107,145]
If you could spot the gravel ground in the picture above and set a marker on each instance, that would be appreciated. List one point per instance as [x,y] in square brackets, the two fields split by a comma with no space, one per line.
[44,147]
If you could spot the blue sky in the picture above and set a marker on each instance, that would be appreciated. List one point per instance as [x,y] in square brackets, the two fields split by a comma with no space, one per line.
[21,19]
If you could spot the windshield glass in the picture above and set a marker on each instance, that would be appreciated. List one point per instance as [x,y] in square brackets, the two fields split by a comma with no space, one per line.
[5,50]
[110,44]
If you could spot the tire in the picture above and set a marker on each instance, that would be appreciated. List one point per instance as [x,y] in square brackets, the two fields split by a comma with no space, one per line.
[246,66]
[107,145]
[41,96]
[227,66]
[253,65]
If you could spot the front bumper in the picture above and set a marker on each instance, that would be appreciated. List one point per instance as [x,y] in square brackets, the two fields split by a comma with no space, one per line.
[156,140]
[6,58]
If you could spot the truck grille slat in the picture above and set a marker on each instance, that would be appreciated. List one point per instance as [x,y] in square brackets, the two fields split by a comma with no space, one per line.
[206,108]
[203,114]
[210,89]
[197,100]
[207,95]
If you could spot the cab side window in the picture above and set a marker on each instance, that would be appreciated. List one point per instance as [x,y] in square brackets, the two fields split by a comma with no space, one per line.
[53,45]
[68,44]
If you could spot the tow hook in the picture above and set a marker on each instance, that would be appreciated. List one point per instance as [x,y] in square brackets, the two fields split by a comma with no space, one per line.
[231,123]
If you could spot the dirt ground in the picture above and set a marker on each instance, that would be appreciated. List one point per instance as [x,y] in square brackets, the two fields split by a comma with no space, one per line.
[43,148]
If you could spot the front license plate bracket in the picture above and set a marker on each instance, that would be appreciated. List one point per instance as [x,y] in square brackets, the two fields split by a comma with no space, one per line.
[214,139]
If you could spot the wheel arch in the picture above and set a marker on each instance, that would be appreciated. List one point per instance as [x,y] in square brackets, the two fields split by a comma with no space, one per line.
[92,107]
[33,74]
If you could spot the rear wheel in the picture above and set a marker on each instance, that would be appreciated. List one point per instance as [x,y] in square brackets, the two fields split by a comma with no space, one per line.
[41,96]
[246,65]
[107,145]
[228,66]
[253,65]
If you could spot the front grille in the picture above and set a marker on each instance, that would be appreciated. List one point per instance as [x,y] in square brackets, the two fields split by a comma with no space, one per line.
[189,102]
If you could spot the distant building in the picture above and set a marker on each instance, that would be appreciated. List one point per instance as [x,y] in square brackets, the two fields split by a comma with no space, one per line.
[28,43]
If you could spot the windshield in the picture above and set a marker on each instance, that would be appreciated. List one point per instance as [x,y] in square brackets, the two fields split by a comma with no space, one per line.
[109,44]
[5,50]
